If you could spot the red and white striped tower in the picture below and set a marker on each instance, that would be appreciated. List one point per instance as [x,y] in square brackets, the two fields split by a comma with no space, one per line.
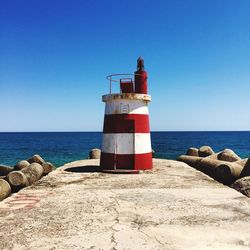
[126,143]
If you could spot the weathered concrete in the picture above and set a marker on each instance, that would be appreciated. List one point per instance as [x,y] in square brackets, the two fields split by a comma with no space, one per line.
[172,207]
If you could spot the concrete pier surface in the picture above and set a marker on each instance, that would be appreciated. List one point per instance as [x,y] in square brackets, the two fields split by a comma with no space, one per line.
[172,207]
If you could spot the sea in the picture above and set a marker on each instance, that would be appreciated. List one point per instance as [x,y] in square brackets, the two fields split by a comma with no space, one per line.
[63,147]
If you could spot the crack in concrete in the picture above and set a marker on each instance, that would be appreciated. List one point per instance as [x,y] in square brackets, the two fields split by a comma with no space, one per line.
[116,219]
[144,224]
[162,244]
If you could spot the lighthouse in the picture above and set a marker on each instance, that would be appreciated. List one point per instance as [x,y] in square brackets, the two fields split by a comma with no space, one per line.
[126,142]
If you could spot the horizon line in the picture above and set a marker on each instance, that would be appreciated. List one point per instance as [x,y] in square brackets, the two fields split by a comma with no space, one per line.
[95,131]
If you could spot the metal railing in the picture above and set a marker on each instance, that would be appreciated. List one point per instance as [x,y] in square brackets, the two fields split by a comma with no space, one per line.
[117,78]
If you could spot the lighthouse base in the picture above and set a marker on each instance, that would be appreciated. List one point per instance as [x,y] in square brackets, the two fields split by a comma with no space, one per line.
[125,163]
[121,171]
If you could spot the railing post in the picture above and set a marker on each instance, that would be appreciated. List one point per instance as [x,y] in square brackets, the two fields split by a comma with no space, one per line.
[110,79]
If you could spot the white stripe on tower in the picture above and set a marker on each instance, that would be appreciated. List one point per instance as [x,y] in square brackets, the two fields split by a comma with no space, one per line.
[126,143]
[127,106]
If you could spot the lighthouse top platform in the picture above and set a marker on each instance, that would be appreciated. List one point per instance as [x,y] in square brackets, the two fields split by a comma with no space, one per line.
[127,88]
[131,96]
[131,86]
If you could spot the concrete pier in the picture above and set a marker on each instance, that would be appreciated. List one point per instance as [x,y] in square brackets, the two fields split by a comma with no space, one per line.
[171,207]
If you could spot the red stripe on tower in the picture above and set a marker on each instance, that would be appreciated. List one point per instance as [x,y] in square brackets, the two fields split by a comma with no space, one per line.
[126,143]
[121,123]
[130,161]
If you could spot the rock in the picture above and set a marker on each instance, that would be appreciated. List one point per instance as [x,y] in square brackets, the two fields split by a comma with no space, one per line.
[21,164]
[205,151]
[95,153]
[36,158]
[193,152]
[33,172]
[4,170]
[243,185]
[246,169]
[48,167]
[5,189]
[228,155]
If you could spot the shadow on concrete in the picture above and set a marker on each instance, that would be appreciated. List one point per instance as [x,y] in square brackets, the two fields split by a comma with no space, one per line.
[84,169]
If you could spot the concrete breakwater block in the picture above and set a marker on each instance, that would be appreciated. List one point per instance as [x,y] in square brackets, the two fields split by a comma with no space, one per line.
[228,155]
[225,166]
[228,173]
[246,169]
[193,152]
[4,170]
[243,185]
[23,174]
[223,171]
[48,167]
[95,153]
[21,164]
[205,151]
[5,189]
[17,180]
[36,158]
[242,162]
[33,172]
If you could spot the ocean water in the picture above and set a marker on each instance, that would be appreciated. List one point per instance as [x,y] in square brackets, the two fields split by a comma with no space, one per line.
[63,147]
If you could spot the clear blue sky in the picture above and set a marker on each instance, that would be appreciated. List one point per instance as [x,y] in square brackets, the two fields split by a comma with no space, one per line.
[55,54]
